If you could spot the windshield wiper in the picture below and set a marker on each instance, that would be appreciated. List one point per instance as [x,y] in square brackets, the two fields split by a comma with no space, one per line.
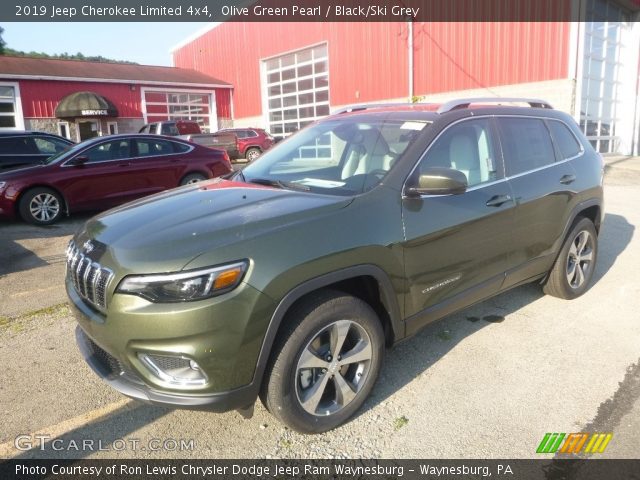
[279,183]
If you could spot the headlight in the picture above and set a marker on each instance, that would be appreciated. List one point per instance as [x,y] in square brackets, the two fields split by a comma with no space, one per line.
[185,286]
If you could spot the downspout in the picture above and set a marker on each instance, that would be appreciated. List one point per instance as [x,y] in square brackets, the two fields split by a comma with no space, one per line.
[410,52]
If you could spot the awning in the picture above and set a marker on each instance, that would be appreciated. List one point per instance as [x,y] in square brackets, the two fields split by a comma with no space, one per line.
[85,104]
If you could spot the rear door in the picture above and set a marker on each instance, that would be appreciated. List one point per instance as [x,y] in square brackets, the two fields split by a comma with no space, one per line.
[457,246]
[156,166]
[542,184]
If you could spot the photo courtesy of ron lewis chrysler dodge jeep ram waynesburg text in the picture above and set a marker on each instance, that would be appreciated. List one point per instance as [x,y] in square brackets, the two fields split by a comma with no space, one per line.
[287,280]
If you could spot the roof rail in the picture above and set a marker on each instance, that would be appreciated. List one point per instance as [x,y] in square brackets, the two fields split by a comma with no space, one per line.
[465,102]
[367,106]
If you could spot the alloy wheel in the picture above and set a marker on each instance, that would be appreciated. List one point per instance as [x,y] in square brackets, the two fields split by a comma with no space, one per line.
[333,367]
[580,259]
[44,207]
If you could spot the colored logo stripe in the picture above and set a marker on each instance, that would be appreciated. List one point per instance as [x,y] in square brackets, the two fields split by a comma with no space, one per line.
[574,442]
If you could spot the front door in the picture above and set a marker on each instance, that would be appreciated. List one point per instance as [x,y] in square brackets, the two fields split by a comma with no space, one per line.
[88,129]
[457,246]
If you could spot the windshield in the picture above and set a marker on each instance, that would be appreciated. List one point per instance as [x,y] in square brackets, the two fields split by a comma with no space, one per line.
[340,156]
[67,152]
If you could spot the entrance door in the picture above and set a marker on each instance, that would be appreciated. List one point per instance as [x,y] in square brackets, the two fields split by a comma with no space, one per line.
[88,129]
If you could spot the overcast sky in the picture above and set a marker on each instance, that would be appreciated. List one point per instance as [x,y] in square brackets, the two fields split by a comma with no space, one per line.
[145,43]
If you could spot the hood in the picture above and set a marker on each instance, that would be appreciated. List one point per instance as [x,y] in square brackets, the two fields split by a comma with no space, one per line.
[22,171]
[164,232]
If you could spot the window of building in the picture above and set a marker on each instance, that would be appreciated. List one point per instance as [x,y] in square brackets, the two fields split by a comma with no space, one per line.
[167,105]
[565,140]
[112,128]
[63,130]
[601,82]
[526,144]
[10,110]
[296,89]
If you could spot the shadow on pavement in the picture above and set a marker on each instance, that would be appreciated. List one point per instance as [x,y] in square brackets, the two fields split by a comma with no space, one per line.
[107,433]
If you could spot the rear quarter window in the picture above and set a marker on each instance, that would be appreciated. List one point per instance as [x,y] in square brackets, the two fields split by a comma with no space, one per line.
[526,144]
[565,140]
[17,146]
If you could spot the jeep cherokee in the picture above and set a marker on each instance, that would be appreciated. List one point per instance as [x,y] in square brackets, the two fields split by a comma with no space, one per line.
[287,280]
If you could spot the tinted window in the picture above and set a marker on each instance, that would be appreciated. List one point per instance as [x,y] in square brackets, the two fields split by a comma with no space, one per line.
[17,146]
[251,133]
[149,148]
[466,147]
[180,147]
[526,144]
[241,133]
[170,129]
[114,150]
[49,146]
[565,140]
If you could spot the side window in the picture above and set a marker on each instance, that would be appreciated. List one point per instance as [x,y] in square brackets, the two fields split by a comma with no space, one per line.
[565,140]
[467,147]
[115,150]
[526,144]
[169,129]
[180,147]
[151,148]
[241,134]
[49,146]
[17,146]
[251,133]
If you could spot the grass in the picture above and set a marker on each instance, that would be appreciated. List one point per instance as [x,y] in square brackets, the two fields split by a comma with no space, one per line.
[17,324]
[400,422]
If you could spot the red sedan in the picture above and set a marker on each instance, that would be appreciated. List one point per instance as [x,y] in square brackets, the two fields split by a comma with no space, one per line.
[104,172]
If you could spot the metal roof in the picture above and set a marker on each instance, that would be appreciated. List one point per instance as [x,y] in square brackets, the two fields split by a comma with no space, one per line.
[54,69]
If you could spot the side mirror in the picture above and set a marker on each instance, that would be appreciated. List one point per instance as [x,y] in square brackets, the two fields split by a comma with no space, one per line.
[80,160]
[439,181]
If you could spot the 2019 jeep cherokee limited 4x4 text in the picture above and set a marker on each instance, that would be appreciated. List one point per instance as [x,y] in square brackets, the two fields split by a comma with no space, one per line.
[287,280]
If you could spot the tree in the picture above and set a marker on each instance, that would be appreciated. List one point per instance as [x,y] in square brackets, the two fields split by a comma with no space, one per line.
[2,42]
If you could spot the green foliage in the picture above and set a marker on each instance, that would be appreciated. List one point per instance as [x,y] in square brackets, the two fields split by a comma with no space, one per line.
[62,56]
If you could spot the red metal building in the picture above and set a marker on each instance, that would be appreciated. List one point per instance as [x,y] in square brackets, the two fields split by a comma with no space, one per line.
[79,99]
[285,75]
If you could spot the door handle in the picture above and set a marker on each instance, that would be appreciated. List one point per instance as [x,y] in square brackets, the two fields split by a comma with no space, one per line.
[498,200]
[124,164]
[567,179]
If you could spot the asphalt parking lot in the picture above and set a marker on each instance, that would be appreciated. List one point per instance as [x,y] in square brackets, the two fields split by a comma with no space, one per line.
[488,382]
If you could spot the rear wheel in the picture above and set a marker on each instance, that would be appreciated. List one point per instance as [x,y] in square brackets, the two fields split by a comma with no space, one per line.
[41,206]
[252,153]
[571,274]
[192,178]
[325,364]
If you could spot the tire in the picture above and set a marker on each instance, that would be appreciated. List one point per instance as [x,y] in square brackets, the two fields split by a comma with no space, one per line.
[572,272]
[324,319]
[41,206]
[252,153]
[192,178]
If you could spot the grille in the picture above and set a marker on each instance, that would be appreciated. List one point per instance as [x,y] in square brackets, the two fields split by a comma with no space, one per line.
[89,278]
[108,361]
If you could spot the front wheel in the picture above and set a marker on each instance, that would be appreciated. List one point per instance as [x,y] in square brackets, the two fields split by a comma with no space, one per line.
[571,274]
[325,364]
[40,206]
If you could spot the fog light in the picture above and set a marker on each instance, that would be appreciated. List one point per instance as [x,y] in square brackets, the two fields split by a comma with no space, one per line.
[174,370]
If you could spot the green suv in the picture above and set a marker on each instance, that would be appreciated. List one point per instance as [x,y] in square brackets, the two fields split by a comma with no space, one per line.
[287,280]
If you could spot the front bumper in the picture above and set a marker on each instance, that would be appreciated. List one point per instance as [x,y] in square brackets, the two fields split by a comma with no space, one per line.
[223,335]
[126,382]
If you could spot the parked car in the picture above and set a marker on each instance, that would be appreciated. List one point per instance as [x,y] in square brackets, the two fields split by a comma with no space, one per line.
[251,141]
[224,141]
[288,279]
[171,128]
[103,172]
[18,148]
